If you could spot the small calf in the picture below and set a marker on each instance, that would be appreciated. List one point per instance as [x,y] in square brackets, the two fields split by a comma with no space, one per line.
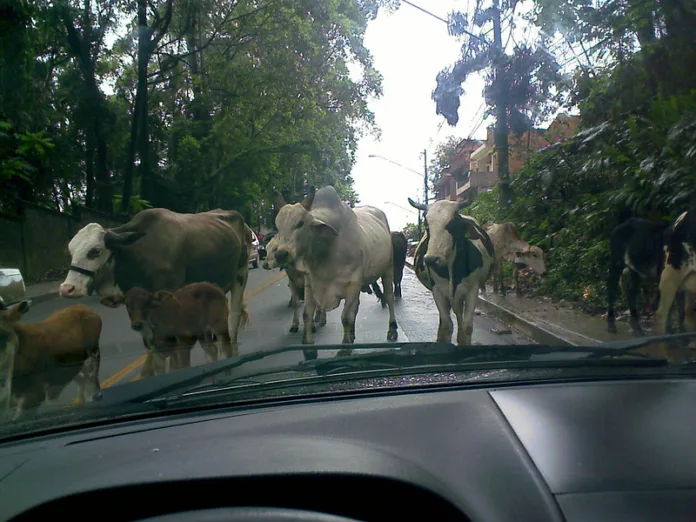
[40,359]
[172,323]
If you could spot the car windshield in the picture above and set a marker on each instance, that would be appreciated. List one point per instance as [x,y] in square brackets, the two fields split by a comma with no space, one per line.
[201,200]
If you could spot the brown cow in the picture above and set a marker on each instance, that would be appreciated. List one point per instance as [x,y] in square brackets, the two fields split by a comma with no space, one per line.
[40,359]
[511,248]
[173,322]
[163,250]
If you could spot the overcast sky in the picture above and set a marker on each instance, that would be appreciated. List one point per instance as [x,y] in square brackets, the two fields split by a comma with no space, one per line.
[409,49]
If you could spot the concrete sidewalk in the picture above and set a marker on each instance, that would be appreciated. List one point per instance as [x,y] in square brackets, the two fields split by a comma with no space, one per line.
[547,322]
[44,291]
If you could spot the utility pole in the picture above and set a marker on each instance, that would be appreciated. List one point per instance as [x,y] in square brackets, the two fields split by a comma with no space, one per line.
[501,103]
[425,174]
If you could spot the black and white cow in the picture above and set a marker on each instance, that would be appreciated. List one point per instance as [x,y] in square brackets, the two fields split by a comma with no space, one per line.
[339,249]
[678,277]
[453,260]
[638,245]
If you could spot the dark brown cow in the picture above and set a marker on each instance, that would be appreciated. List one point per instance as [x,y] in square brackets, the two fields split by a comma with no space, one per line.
[400,247]
[163,250]
[40,359]
[173,322]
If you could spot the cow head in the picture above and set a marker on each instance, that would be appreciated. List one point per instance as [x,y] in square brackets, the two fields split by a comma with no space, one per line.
[533,258]
[270,261]
[92,260]
[9,342]
[140,304]
[444,226]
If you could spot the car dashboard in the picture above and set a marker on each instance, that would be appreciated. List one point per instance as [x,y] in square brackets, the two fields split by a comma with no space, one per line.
[584,451]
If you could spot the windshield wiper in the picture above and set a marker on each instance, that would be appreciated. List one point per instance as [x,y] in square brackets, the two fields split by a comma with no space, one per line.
[393,356]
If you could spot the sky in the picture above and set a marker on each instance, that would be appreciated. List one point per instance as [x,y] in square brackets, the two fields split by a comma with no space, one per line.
[409,48]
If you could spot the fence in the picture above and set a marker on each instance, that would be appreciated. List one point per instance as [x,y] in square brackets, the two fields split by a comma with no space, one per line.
[37,241]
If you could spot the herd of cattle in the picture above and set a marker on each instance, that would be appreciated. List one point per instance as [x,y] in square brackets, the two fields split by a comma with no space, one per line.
[172,272]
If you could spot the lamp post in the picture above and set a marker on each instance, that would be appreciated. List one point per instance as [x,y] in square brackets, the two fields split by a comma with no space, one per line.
[425,180]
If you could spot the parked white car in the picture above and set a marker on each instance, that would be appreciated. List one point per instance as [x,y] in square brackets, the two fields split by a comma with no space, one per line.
[254,256]
[12,289]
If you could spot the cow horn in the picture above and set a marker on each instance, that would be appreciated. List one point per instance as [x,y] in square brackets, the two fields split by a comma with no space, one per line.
[307,203]
[118,239]
[464,203]
[278,202]
[419,206]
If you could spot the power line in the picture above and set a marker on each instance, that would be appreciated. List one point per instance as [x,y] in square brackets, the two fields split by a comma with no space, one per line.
[443,20]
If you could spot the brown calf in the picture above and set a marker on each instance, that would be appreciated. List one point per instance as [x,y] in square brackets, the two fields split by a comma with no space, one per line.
[173,322]
[40,359]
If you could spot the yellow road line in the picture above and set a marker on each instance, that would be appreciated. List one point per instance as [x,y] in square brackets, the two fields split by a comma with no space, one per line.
[248,295]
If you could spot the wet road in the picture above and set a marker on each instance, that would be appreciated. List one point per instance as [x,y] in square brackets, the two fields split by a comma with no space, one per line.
[267,297]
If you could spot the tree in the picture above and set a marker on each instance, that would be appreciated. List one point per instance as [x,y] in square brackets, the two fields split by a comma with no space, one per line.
[411,232]
[519,85]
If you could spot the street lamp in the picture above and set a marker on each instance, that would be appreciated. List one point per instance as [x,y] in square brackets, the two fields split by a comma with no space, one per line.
[425,179]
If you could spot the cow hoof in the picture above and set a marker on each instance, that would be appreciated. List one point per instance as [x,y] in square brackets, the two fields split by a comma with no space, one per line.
[314,329]
[97,396]
[344,353]
[309,355]
[392,335]
[294,328]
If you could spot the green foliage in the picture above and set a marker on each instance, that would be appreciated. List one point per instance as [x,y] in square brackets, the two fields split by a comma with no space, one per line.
[244,97]
[411,232]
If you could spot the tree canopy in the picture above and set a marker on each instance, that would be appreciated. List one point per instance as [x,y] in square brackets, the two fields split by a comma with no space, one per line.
[190,105]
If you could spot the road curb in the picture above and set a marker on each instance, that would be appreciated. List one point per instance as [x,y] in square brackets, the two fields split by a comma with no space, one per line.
[519,323]
[42,298]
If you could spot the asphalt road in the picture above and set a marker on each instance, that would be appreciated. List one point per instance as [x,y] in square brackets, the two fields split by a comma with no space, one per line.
[267,297]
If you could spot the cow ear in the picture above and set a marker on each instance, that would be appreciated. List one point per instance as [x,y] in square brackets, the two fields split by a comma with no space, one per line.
[14,313]
[323,229]
[113,301]
[114,239]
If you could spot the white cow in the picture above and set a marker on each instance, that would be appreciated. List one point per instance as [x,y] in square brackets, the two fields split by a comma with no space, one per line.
[511,248]
[296,283]
[453,260]
[340,250]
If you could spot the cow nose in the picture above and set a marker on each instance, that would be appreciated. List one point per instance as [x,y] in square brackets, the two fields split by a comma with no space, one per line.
[431,260]
[66,290]
[282,256]
[137,326]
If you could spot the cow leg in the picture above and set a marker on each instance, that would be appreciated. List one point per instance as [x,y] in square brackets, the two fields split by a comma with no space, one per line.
[350,312]
[182,354]
[29,401]
[148,369]
[464,311]
[308,320]
[612,293]
[237,309]
[320,316]
[445,326]
[516,280]
[387,284]
[670,281]
[632,298]
[499,277]
[684,309]
[211,344]
[89,377]
[295,300]
[224,343]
